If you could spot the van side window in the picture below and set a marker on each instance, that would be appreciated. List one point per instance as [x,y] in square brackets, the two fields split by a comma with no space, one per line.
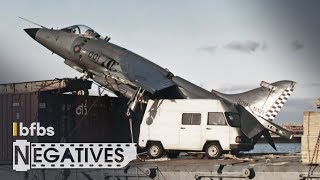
[191,118]
[216,118]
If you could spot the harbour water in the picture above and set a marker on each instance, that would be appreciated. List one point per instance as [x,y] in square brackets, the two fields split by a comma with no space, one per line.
[281,148]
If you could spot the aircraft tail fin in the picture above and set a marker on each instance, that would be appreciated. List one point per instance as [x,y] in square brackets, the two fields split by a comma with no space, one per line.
[258,107]
[278,103]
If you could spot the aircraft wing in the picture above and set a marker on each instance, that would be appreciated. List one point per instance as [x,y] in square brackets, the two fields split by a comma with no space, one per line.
[149,78]
[157,84]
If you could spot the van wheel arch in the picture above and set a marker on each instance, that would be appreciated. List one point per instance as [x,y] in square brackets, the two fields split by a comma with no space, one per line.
[150,142]
[207,142]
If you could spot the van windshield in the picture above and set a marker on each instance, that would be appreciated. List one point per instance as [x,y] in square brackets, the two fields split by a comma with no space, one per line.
[233,119]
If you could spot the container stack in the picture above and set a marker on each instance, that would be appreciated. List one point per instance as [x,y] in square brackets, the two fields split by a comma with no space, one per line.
[75,118]
[310,142]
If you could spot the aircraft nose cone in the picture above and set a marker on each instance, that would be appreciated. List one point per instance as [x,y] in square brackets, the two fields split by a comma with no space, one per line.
[32,32]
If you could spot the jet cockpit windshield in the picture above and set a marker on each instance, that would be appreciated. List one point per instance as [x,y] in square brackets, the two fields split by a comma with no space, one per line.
[81,29]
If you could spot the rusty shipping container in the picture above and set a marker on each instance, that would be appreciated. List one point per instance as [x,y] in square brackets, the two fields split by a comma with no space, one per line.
[74,118]
[15,108]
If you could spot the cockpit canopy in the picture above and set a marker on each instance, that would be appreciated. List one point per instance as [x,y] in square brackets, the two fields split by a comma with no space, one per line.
[81,29]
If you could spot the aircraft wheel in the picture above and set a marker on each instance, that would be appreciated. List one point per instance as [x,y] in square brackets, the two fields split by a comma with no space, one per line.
[213,150]
[155,150]
[248,173]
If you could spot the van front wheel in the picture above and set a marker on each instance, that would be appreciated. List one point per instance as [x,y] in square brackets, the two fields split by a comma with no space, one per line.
[155,150]
[213,150]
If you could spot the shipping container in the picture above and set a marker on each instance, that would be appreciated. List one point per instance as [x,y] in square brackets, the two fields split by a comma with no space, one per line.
[74,118]
[55,85]
[15,108]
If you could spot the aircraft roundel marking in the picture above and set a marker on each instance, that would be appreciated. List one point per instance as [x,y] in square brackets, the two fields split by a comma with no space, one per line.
[76,48]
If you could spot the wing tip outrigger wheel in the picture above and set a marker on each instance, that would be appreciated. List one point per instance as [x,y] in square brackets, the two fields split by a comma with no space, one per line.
[134,101]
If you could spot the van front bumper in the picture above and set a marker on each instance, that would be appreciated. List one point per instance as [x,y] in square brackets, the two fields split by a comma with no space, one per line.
[241,147]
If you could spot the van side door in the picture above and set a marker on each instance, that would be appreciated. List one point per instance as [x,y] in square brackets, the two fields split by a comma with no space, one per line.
[216,129]
[190,131]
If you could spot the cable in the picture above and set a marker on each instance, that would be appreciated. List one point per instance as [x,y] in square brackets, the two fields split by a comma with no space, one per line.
[102,87]
[308,136]
[161,173]
[314,155]
[131,131]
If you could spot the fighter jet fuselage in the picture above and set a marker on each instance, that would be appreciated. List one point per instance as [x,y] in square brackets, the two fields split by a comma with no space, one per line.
[108,64]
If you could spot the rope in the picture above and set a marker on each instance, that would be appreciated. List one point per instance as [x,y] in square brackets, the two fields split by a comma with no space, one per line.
[315,152]
[161,174]
[104,89]
[308,137]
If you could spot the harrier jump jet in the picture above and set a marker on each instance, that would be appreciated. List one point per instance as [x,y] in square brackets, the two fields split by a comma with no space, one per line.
[138,79]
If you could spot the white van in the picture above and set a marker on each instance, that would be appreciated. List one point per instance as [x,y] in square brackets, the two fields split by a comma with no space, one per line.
[208,125]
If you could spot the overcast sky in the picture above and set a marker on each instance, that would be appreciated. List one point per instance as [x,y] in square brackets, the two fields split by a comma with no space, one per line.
[226,45]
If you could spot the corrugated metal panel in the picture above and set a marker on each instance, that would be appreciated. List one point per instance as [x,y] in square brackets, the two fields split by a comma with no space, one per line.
[99,119]
[84,118]
[15,108]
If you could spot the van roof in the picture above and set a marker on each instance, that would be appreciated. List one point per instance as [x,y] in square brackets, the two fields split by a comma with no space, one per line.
[209,105]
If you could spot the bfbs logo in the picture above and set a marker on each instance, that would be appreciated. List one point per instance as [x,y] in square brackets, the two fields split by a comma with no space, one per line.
[35,129]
